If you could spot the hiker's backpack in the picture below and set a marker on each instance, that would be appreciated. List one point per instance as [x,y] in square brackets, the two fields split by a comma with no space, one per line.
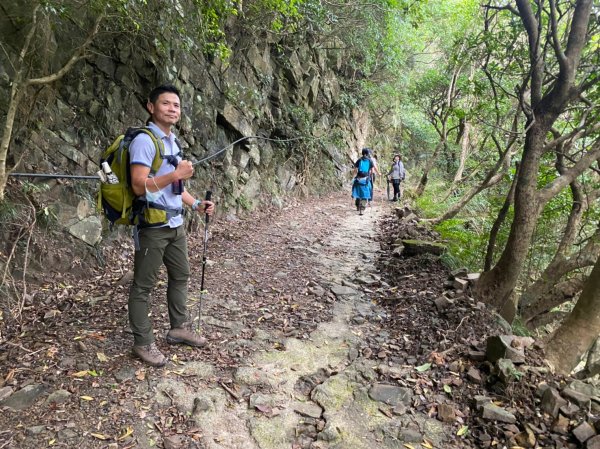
[117,201]
[364,167]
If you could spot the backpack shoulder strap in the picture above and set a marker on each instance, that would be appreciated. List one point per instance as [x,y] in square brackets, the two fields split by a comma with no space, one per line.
[180,147]
[160,146]
[159,155]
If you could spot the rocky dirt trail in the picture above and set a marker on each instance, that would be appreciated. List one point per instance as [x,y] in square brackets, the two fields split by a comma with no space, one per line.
[287,316]
[315,392]
[324,332]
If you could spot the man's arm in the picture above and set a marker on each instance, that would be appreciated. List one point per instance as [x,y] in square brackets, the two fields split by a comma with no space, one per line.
[140,182]
[141,152]
[375,169]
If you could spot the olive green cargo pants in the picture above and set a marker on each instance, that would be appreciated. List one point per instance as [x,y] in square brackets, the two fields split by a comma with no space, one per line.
[157,246]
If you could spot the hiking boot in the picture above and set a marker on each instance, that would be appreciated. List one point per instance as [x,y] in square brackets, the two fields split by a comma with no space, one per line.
[150,354]
[186,335]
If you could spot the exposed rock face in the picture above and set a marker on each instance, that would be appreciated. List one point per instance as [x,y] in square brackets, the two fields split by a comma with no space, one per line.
[262,90]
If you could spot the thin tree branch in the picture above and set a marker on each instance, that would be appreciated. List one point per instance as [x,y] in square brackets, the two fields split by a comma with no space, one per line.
[503,8]
[77,56]
[531,24]
[552,188]
[575,134]
[562,59]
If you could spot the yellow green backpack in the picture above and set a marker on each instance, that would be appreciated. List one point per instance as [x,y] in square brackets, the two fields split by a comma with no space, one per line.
[116,201]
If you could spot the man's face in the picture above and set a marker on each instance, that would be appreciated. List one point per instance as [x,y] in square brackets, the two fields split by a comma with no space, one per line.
[166,110]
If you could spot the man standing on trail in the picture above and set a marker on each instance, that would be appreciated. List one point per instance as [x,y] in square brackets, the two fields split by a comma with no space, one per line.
[164,242]
[396,175]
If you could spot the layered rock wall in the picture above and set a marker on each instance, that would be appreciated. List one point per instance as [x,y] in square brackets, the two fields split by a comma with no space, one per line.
[264,88]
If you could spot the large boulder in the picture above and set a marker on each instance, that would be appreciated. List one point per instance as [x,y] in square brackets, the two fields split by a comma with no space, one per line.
[89,230]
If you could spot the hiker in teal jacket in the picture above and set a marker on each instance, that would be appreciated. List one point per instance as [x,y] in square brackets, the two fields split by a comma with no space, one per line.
[362,185]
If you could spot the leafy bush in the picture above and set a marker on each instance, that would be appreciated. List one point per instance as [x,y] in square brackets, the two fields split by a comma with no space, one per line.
[429,204]
[466,236]
[465,244]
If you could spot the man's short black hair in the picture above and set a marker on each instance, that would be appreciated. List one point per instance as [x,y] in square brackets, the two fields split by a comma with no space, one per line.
[157,91]
[366,151]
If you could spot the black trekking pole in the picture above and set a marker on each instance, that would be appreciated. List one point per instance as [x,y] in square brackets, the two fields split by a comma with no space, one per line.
[206,220]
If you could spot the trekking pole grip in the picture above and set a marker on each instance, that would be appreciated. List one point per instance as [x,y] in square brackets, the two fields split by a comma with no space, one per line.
[208,197]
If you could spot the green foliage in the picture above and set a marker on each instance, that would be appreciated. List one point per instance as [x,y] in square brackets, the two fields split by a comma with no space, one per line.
[8,212]
[211,17]
[288,19]
[30,188]
[243,96]
[244,202]
[465,244]
[429,204]
[45,215]
[199,25]
[347,102]
[285,14]
[301,117]
[514,373]
[466,236]
[519,328]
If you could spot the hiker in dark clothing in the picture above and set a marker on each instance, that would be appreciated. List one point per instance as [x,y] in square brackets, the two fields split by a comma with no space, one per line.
[396,175]
[164,242]
[374,172]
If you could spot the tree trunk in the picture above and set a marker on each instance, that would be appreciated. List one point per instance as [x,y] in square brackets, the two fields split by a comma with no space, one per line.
[510,198]
[464,139]
[496,286]
[546,318]
[465,147]
[577,333]
[428,166]
[7,135]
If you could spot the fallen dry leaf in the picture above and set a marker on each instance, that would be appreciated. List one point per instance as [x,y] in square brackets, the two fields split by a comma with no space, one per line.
[99,436]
